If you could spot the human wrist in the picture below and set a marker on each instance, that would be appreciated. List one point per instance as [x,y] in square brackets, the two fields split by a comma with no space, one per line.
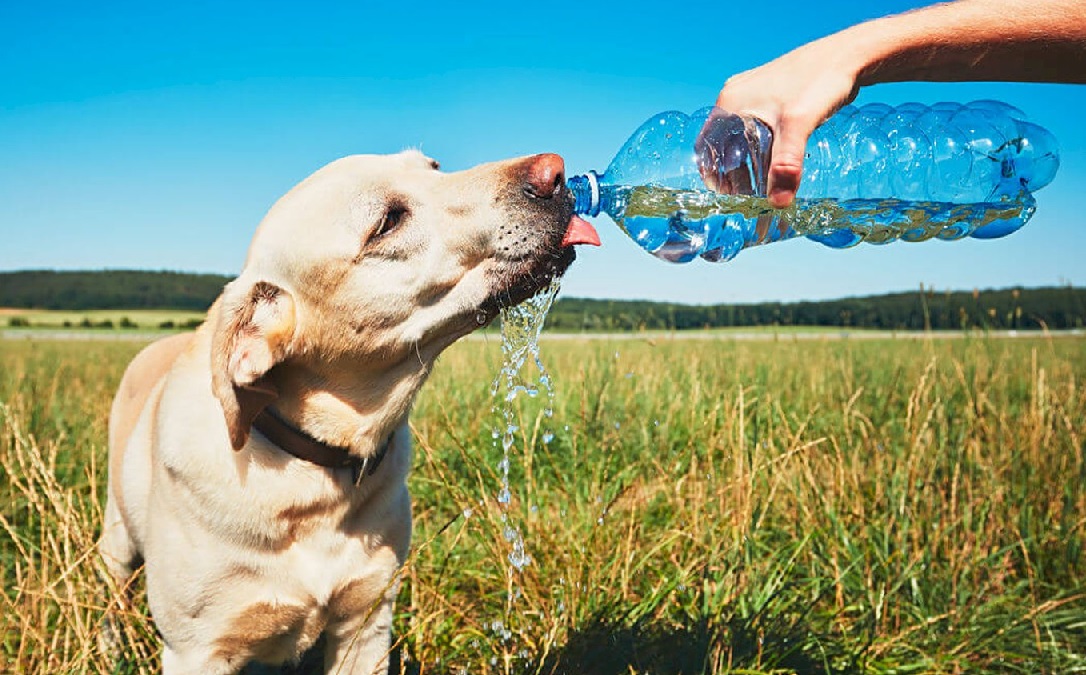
[853,53]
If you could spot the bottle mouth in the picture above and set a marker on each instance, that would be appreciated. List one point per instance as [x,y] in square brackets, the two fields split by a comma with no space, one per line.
[586,193]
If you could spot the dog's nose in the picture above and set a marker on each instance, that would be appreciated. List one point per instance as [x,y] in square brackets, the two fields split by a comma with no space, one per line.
[545,176]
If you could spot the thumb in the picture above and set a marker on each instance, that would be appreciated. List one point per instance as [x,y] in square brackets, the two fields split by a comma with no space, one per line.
[786,162]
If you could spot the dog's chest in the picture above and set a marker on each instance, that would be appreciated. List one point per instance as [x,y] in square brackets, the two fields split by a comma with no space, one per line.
[321,557]
[324,578]
[324,546]
[316,523]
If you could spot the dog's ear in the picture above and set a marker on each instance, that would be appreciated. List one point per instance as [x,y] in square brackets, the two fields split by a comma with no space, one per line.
[254,329]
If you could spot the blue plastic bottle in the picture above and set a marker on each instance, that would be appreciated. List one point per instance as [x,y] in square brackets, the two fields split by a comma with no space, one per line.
[873,173]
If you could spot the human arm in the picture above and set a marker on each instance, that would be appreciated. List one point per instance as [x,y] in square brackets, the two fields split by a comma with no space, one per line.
[1004,40]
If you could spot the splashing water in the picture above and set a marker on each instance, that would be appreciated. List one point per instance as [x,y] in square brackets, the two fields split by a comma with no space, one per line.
[520,326]
[520,330]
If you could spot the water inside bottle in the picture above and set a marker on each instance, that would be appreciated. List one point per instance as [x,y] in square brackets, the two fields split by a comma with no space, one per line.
[678,225]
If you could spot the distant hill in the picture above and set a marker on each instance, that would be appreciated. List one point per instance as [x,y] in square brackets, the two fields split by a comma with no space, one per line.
[1013,308]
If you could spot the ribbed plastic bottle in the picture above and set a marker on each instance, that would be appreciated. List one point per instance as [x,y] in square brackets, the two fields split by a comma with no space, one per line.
[685,186]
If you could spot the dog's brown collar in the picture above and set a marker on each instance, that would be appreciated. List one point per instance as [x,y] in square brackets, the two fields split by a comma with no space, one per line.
[298,443]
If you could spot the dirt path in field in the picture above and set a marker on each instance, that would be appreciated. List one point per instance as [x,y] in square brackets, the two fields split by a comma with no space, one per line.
[79,335]
[794,335]
[675,336]
[800,334]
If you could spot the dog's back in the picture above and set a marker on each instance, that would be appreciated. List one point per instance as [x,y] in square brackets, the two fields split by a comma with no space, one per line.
[140,378]
[136,391]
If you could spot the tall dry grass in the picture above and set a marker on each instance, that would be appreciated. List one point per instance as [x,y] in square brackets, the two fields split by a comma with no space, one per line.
[54,404]
[718,506]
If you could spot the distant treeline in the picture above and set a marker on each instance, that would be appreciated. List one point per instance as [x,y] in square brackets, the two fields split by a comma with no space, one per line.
[1016,308]
[109,289]
[923,309]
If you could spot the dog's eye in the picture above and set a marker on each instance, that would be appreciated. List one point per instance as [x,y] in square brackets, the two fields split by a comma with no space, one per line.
[435,165]
[394,215]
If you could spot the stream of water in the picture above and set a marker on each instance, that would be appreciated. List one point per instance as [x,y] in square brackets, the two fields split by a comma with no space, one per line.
[520,329]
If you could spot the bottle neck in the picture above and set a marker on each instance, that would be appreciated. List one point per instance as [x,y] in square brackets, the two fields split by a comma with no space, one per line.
[586,193]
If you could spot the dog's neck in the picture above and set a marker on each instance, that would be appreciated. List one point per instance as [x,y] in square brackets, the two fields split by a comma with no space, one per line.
[350,410]
[301,445]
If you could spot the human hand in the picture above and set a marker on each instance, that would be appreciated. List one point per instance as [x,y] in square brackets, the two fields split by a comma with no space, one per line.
[792,95]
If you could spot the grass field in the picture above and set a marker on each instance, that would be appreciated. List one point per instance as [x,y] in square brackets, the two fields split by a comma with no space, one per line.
[853,507]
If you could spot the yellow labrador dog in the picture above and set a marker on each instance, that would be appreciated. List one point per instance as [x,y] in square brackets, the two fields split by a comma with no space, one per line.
[257,466]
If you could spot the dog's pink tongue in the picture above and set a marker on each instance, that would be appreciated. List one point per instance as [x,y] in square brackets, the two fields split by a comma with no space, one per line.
[580,232]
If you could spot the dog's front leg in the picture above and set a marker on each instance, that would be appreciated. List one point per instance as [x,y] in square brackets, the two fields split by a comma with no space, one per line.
[197,662]
[361,646]
[120,557]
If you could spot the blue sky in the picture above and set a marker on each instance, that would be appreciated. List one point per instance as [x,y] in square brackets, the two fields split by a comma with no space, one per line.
[156,135]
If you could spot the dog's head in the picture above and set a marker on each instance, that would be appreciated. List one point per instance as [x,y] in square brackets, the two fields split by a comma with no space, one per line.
[374,264]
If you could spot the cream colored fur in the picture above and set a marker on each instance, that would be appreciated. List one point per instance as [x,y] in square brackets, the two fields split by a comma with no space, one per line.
[251,554]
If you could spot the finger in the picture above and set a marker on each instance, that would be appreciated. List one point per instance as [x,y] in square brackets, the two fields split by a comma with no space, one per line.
[786,162]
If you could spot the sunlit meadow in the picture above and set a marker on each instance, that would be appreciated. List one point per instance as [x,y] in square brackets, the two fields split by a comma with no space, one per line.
[726,506]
